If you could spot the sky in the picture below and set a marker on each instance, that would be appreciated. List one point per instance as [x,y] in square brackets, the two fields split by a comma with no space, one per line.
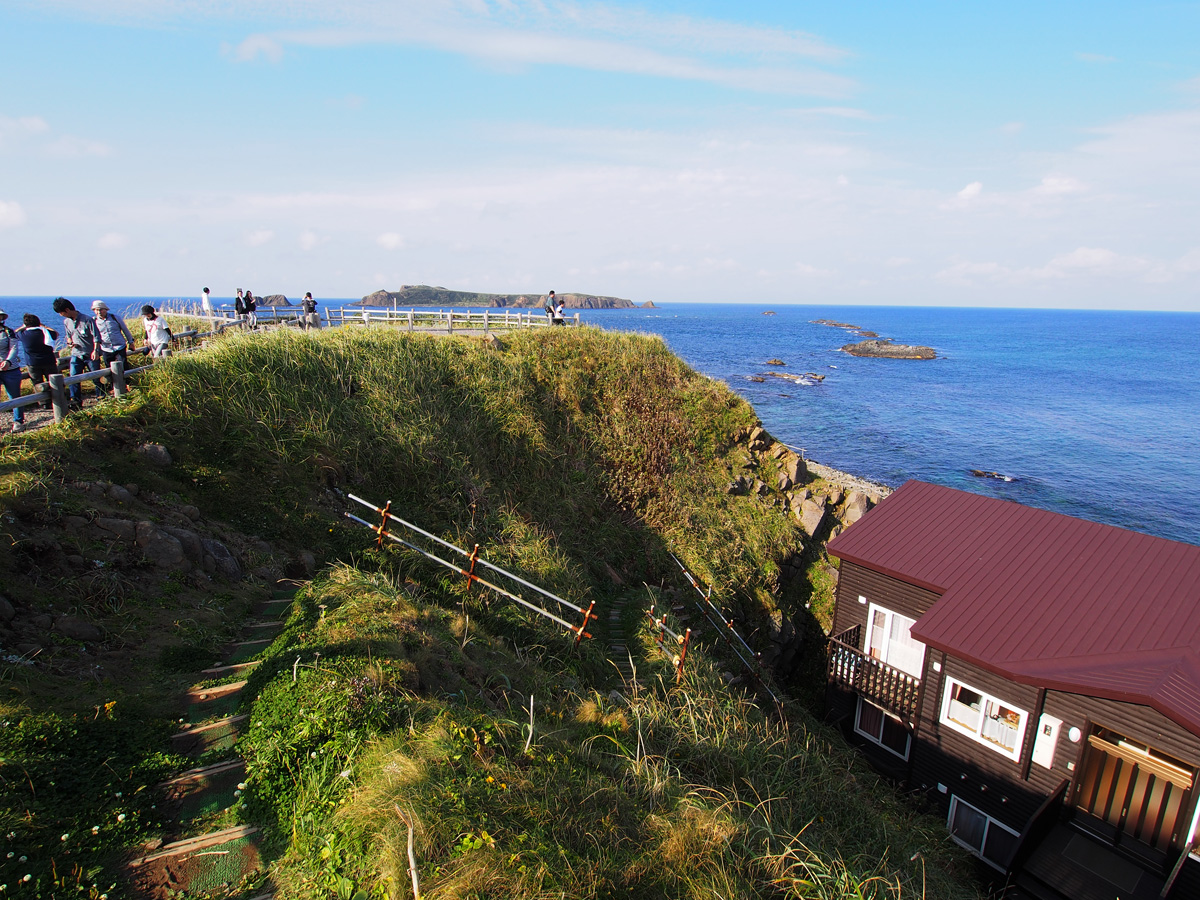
[958,154]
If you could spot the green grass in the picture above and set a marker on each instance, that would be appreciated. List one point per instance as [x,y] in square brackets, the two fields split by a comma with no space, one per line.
[568,455]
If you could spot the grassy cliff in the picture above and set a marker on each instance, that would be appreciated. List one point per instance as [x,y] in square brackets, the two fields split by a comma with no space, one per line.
[523,767]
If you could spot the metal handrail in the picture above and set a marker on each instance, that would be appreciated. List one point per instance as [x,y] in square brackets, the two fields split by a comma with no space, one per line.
[381,530]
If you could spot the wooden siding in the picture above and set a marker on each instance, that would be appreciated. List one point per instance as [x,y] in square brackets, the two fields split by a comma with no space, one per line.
[854,581]
[983,777]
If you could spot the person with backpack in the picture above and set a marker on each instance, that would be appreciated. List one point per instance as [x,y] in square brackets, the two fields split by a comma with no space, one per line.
[38,343]
[308,306]
[10,369]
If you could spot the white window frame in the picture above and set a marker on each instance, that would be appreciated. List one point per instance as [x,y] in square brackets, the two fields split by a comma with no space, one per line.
[955,801]
[887,638]
[878,741]
[976,734]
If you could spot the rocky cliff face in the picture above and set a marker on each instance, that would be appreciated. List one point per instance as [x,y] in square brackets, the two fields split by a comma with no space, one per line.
[424,295]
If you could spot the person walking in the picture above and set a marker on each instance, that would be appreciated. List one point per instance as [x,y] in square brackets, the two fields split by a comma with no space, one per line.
[115,338]
[308,306]
[10,369]
[158,335]
[550,307]
[239,306]
[84,340]
[38,343]
[558,317]
[251,310]
[206,302]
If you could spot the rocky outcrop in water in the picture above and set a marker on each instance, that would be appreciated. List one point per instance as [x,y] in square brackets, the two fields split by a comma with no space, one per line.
[886,349]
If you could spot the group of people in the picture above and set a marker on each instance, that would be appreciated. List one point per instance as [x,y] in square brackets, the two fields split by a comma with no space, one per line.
[556,310]
[94,342]
[245,307]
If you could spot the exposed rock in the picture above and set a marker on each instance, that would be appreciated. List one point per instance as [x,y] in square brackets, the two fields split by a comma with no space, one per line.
[155,455]
[159,547]
[785,482]
[797,470]
[41,621]
[761,488]
[309,561]
[812,516]
[779,451]
[885,349]
[189,540]
[856,507]
[124,529]
[776,362]
[76,560]
[835,497]
[77,629]
[191,512]
[265,573]
[759,438]
[493,342]
[133,489]
[223,562]
[757,378]
[74,523]
[118,494]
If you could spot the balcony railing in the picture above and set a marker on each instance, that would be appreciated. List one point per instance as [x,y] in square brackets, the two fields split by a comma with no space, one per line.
[885,686]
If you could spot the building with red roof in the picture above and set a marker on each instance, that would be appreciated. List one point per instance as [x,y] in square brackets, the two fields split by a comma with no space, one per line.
[1038,675]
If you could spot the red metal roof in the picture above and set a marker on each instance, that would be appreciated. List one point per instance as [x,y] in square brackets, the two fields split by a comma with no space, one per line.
[1042,598]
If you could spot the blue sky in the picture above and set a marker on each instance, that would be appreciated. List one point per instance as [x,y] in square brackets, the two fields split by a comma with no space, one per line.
[1025,154]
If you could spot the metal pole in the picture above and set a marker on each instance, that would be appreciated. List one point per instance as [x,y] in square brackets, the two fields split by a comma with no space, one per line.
[118,377]
[58,396]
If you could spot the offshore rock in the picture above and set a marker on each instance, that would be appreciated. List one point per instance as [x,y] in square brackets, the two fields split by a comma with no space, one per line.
[885,349]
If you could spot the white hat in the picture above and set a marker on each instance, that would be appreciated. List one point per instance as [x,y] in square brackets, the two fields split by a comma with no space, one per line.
[3,314]
[99,304]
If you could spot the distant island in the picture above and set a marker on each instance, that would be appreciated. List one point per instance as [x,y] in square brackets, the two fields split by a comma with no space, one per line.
[425,295]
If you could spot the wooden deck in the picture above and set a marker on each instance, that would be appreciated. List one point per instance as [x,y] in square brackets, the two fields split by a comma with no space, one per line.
[1069,864]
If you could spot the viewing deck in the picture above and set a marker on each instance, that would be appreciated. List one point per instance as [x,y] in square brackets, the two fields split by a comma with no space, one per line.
[885,686]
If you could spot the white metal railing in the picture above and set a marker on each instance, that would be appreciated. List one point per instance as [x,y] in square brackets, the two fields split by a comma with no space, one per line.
[443,320]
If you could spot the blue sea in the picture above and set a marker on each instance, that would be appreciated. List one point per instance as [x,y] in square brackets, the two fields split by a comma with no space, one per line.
[1092,414]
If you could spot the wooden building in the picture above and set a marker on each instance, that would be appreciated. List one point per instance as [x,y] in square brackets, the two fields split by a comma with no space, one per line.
[1038,676]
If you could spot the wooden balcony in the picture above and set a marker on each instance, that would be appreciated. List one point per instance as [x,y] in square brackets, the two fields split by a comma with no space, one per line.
[885,686]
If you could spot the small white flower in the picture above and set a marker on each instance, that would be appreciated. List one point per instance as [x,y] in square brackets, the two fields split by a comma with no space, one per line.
[27,878]
[11,854]
[313,755]
[121,817]
[241,785]
[65,836]
[118,794]
[95,829]
[345,773]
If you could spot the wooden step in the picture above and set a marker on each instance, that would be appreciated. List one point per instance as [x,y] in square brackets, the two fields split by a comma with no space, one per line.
[199,865]
[218,671]
[222,733]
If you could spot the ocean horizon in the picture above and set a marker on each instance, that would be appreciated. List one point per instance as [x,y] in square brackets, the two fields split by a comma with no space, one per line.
[1089,413]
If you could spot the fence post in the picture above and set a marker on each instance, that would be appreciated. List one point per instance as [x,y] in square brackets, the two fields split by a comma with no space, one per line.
[58,396]
[576,320]
[485,321]
[450,322]
[118,377]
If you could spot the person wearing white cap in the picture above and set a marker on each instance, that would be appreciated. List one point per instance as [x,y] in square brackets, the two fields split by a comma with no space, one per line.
[10,368]
[115,337]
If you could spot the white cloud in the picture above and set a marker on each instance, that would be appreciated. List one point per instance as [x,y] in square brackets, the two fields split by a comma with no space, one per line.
[1012,127]
[309,240]
[811,271]
[390,240]
[20,127]
[971,191]
[259,237]
[255,46]
[966,274]
[11,214]
[1053,185]
[113,240]
[71,147]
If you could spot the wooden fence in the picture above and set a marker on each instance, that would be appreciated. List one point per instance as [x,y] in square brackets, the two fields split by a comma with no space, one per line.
[444,320]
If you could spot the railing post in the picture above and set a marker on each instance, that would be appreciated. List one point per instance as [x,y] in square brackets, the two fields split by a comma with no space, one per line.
[58,396]
[450,322]
[485,321]
[576,320]
[118,377]
[410,320]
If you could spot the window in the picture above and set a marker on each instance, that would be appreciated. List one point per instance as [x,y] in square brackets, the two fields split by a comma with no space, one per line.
[888,639]
[990,721]
[882,729]
[980,833]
